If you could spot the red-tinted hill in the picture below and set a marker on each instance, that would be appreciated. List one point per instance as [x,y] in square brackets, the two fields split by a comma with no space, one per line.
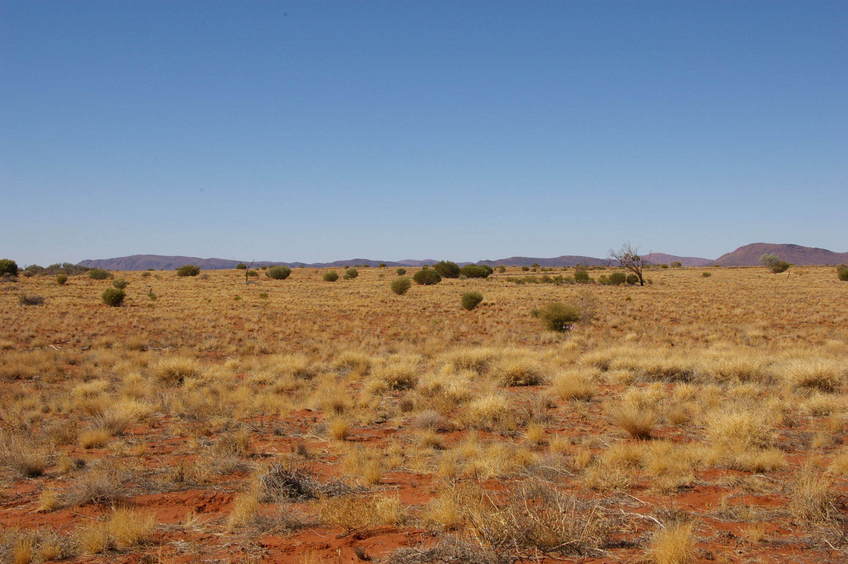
[749,255]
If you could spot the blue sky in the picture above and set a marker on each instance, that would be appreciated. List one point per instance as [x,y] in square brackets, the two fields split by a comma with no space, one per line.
[462,130]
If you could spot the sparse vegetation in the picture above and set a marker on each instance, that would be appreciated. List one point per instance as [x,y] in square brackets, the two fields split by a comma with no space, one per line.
[8,266]
[447,269]
[331,276]
[98,274]
[113,297]
[427,277]
[351,273]
[401,285]
[471,300]
[774,263]
[188,270]
[558,316]
[278,272]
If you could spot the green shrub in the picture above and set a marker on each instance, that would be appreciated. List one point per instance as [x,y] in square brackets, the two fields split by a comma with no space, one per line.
[331,276]
[427,277]
[525,268]
[581,276]
[447,269]
[400,271]
[278,272]
[774,263]
[401,285]
[475,271]
[632,279]
[8,266]
[706,274]
[470,300]
[251,274]
[145,274]
[558,316]
[676,264]
[616,279]
[31,300]
[113,297]
[501,269]
[351,273]
[188,270]
[241,266]
[842,272]
[98,274]
[120,283]
[61,279]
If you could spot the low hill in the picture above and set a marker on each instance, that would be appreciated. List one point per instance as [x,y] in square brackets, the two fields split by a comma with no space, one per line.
[662,258]
[565,260]
[749,255]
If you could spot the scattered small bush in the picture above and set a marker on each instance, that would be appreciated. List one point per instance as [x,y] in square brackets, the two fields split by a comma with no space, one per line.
[331,276]
[31,300]
[632,279]
[62,279]
[98,274]
[558,316]
[842,272]
[447,269]
[241,266]
[581,276]
[470,300]
[278,272]
[427,277]
[706,274]
[616,279]
[113,297]
[8,266]
[475,271]
[401,285]
[351,273]
[188,270]
[400,271]
[774,263]
[120,283]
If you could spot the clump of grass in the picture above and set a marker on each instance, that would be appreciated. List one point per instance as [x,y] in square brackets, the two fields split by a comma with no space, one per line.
[575,384]
[673,544]
[23,456]
[174,371]
[400,285]
[471,300]
[355,512]
[558,316]
[124,529]
[94,438]
[637,421]
[339,429]
[113,297]
[518,370]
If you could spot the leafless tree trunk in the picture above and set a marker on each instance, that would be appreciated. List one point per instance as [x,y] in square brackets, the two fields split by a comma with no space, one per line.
[628,257]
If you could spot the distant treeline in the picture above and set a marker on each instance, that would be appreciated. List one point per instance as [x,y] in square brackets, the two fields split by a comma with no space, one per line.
[53,269]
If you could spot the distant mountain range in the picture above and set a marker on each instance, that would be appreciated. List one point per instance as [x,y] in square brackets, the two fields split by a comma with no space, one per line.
[748,255]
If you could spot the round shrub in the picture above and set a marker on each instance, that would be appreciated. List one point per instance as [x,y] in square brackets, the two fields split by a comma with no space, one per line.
[475,271]
[252,274]
[470,300]
[8,266]
[400,271]
[558,316]
[241,266]
[61,279]
[351,273]
[447,269]
[113,297]
[427,277]
[401,285]
[120,283]
[617,279]
[842,272]
[331,276]
[581,276]
[98,274]
[501,269]
[632,279]
[706,274]
[188,270]
[31,300]
[278,272]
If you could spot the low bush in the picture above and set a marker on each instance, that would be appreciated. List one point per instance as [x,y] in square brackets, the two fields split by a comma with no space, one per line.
[331,276]
[447,269]
[632,279]
[241,266]
[113,297]
[558,316]
[774,263]
[62,279]
[8,266]
[278,272]
[31,300]
[842,272]
[400,271]
[401,285]
[188,270]
[427,277]
[581,276]
[98,274]
[470,300]
[120,283]
[475,271]
[351,273]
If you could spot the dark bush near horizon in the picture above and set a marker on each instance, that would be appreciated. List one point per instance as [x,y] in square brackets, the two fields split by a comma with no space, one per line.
[331,276]
[475,271]
[120,283]
[188,270]
[558,316]
[447,269]
[842,272]
[98,274]
[31,300]
[351,273]
[400,271]
[427,277]
[8,266]
[278,272]
[581,276]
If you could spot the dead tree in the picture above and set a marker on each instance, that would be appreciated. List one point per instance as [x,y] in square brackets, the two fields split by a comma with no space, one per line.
[628,257]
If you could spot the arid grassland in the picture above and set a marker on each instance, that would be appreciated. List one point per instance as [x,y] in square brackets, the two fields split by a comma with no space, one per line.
[701,417]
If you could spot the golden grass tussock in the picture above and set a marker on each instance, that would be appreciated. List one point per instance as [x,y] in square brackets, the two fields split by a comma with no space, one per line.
[673,544]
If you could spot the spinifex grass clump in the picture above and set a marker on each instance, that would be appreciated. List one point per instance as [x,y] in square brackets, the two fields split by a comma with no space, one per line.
[558,316]
[427,277]
[188,270]
[470,300]
[401,285]
[98,274]
[113,297]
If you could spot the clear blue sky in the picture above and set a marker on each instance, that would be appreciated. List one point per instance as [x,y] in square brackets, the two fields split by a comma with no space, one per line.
[390,130]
